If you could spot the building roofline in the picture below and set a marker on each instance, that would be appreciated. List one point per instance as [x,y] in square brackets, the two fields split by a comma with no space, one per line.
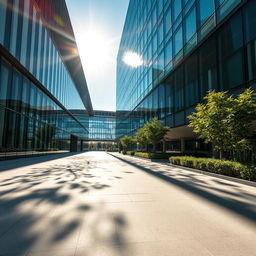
[57,21]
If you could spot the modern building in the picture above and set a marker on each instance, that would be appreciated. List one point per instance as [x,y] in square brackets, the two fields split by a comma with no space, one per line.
[41,78]
[101,126]
[172,52]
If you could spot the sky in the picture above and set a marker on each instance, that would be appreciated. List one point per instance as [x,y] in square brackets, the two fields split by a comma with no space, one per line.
[98,26]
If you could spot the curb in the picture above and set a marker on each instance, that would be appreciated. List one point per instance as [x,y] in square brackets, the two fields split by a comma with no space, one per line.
[224,177]
[233,179]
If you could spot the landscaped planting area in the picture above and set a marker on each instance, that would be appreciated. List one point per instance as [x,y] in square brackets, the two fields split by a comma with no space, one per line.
[229,168]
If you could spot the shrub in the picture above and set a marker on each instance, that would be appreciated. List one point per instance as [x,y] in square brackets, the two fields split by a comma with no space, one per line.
[131,153]
[249,173]
[151,155]
[228,168]
[124,152]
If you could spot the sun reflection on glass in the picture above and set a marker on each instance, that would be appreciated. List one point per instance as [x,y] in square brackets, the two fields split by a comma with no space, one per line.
[132,59]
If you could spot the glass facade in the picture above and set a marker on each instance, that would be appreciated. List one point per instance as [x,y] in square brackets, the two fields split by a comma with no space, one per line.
[193,46]
[36,88]
[101,126]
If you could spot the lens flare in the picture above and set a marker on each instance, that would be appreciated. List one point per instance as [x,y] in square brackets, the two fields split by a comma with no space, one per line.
[132,59]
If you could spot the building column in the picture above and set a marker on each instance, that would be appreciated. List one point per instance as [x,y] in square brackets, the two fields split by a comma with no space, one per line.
[164,146]
[73,143]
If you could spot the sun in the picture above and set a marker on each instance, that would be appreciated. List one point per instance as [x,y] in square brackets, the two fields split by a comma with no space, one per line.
[94,49]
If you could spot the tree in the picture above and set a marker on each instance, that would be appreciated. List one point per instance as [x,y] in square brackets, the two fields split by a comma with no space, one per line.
[155,131]
[127,142]
[141,137]
[225,121]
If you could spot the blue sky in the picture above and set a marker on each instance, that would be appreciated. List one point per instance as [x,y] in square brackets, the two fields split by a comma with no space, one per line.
[98,26]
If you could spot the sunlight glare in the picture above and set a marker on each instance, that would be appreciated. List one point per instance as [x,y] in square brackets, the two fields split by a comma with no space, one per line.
[94,49]
[132,59]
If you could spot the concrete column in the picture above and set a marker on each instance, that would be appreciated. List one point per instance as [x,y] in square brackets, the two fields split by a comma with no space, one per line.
[164,146]
[73,143]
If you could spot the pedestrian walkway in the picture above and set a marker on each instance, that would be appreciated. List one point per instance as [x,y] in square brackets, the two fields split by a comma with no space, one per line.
[95,204]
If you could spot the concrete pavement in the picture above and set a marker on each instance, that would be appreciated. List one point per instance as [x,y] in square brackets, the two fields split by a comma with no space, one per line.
[94,204]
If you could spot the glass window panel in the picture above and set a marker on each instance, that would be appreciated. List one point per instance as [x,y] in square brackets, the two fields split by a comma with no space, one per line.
[191,81]
[225,7]
[14,29]
[206,8]
[232,71]
[178,89]
[168,52]
[207,64]
[167,21]
[3,9]
[24,36]
[178,41]
[190,25]
[250,21]
[176,8]
[4,82]
[251,59]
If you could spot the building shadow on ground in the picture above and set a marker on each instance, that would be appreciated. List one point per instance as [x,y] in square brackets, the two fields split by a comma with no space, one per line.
[236,201]
[30,160]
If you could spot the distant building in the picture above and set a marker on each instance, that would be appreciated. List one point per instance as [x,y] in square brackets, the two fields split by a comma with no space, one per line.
[173,52]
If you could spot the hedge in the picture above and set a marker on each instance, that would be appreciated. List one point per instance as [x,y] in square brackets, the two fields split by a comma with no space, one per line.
[228,168]
[131,153]
[152,155]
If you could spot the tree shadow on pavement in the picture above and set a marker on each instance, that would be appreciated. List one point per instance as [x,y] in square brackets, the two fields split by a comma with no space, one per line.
[46,208]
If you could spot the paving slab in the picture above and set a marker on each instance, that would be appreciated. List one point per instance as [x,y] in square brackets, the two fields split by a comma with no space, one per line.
[94,203]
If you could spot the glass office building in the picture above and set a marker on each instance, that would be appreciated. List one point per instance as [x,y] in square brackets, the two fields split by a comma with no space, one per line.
[41,78]
[173,51]
[101,128]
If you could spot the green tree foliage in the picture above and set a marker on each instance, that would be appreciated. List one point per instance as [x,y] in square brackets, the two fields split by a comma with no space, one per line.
[141,137]
[127,142]
[154,131]
[225,121]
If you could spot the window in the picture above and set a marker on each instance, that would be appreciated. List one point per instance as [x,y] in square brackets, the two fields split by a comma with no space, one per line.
[206,8]
[14,29]
[231,36]
[3,9]
[178,89]
[232,71]
[250,21]
[207,64]
[160,34]
[25,34]
[230,53]
[167,21]
[176,8]
[190,25]
[191,81]
[4,82]
[178,41]
[169,99]
[168,53]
